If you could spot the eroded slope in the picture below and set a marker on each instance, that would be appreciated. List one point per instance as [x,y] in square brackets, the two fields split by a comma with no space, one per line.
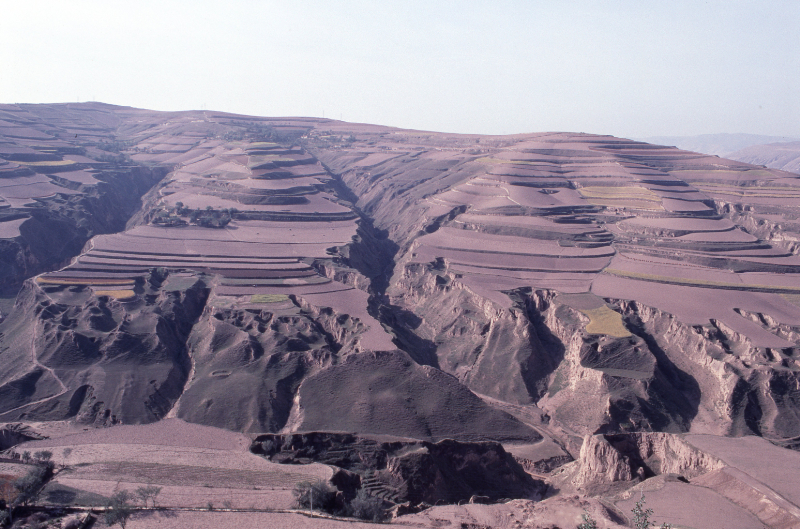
[617,285]
[231,287]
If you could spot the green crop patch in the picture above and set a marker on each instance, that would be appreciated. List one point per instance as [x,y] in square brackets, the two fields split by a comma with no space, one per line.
[268,298]
[261,145]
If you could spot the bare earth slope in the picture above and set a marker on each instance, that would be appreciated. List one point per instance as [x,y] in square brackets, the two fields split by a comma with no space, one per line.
[296,274]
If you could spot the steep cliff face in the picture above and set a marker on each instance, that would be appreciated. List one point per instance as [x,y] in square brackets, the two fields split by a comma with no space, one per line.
[493,350]
[16,433]
[608,459]
[57,227]
[664,376]
[536,351]
[739,388]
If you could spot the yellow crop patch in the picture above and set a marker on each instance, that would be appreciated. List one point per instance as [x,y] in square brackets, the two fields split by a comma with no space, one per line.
[70,281]
[117,294]
[603,320]
[52,163]
[792,298]
[753,192]
[635,197]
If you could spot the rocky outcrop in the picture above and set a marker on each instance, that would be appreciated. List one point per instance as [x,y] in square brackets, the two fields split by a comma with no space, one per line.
[248,364]
[666,375]
[764,228]
[609,459]
[98,360]
[399,471]
[740,388]
[495,351]
[16,433]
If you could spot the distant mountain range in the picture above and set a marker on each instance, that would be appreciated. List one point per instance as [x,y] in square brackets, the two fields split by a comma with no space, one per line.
[776,152]
[717,144]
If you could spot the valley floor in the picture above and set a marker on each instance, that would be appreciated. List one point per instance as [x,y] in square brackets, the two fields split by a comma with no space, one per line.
[210,479]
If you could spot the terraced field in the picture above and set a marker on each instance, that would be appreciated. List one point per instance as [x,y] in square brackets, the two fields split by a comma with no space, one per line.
[316,239]
[286,274]
[526,222]
[554,211]
[193,466]
[214,215]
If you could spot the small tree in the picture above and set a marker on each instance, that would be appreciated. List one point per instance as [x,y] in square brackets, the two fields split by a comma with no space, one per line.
[148,493]
[43,455]
[317,494]
[119,509]
[641,516]
[29,485]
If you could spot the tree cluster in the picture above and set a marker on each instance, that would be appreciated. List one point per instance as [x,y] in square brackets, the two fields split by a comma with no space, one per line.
[29,486]
[212,218]
[208,217]
[262,132]
[321,495]
[120,506]
[164,218]
[119,509]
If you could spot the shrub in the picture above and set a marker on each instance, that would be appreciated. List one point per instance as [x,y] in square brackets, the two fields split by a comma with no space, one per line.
[315,494]
[588,522]
[366,507]
[268,446]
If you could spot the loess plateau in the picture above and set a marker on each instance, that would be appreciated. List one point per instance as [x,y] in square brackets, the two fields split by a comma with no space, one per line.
[606,314]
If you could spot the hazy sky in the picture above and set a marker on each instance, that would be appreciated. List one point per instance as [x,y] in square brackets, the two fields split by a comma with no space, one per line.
[629,68]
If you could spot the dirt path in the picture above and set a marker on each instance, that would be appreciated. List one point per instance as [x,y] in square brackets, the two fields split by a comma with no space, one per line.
[757,485]
[36,362]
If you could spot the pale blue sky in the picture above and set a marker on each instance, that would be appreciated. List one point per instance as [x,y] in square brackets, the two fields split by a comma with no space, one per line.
[629,68]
